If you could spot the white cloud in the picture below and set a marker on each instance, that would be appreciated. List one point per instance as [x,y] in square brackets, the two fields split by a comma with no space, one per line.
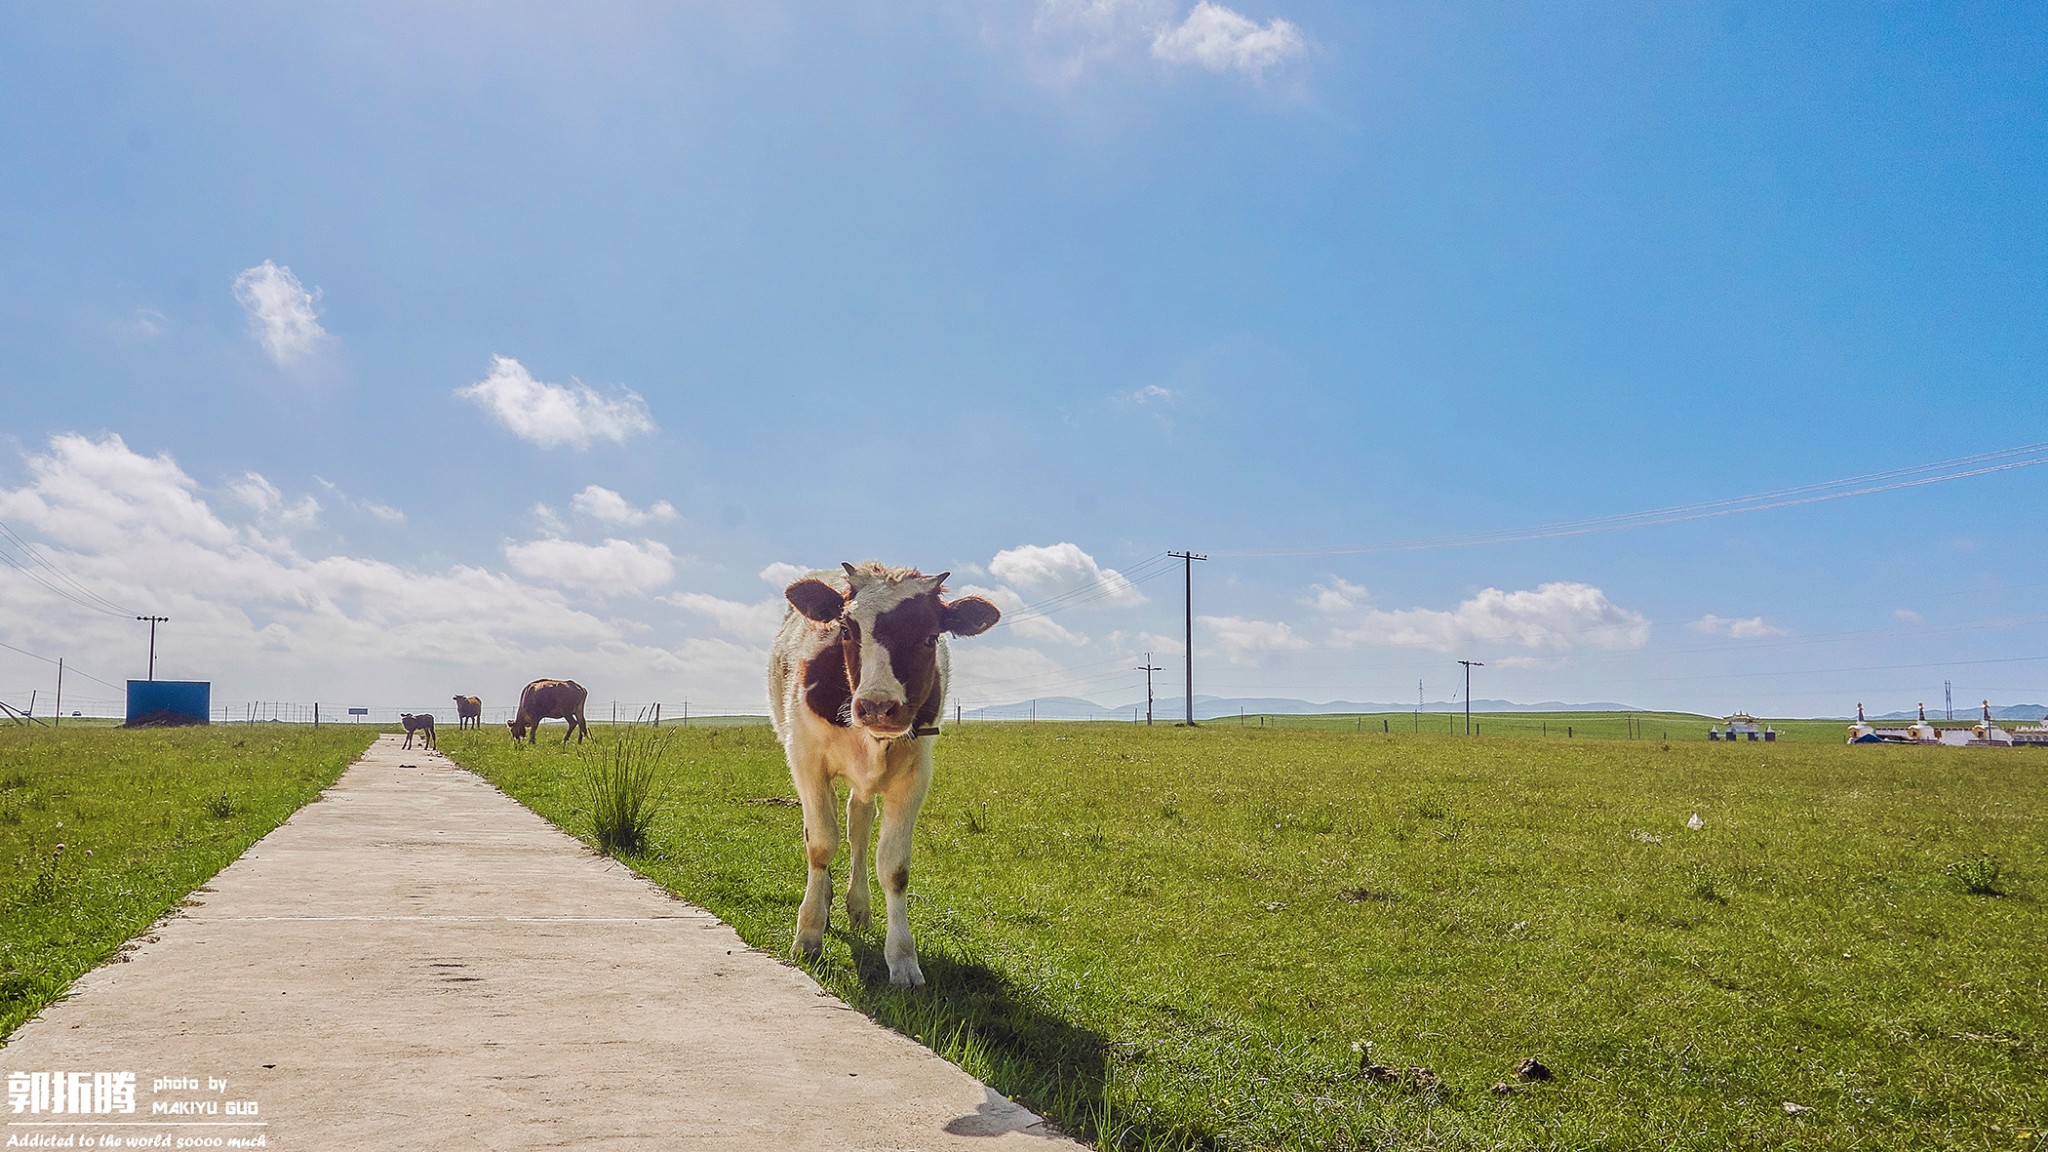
[1053,569]
[1557,616]
[384,512]
[1069,38]
[1336,597]
[756,621]
[985,673]
[1150,393]
[1243,639]
[144,324]
[612,508]
[1746,629]
[613,566]
[1223,40]
[782,574]
[263,498]
[1908,616]
[550,414]
[1024,626]
[283,316]
[260,617]
[548,521]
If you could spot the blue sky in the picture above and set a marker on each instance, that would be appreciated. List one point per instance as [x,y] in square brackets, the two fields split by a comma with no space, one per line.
[395,353]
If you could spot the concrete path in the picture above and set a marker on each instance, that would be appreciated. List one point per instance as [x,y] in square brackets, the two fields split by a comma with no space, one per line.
[415,961]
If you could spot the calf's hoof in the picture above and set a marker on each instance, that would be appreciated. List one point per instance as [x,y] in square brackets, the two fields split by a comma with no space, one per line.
[808,949]
[858,916]
[906,974]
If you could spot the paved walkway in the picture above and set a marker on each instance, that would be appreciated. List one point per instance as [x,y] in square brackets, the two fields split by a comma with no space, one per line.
[415,961]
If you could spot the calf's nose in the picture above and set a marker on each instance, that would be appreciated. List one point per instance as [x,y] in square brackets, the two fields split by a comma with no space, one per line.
[877,713]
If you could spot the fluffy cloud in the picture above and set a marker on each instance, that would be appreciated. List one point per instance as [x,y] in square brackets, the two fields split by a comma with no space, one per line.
[263,498]
[1222,40]
[1750,628]
[371,508]
[1336,597]
[756,621]
[613,566]
[1908,616]
[1054,569]
[1021,624]
[782,574]
[610,507]
[985,673]
[257,615]
[1068,38]
[1557,617]
[1242,640]
[283,316]
[550,414]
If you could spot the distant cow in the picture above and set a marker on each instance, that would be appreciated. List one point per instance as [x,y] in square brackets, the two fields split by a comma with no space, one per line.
[424,725]
[469,713]
[550,700]
[857,683]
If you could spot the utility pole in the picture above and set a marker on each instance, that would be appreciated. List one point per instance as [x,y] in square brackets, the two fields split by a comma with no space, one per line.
[1148,668]
[153,622]
[1188,559]
[1469,666]
[1948,699]
[60,692]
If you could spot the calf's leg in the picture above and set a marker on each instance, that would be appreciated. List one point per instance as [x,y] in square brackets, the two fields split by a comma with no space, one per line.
[892,860]
[860,823]
[821,840]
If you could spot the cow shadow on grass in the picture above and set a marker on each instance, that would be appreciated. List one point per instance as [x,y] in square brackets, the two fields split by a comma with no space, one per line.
[977,1018]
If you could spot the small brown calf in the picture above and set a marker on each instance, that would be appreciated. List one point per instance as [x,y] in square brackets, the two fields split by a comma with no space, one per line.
[424,725]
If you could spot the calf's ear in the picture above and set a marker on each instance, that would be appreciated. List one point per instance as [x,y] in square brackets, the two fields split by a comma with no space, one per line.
[970,616]
[816,599]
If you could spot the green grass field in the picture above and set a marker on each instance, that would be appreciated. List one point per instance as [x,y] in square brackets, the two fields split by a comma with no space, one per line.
[1678,727]
[1174,938]
[144,817]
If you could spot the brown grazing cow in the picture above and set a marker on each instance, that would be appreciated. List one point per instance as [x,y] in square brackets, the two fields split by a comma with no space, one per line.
[469,713]
[550,700]
[857,684]
[424,725]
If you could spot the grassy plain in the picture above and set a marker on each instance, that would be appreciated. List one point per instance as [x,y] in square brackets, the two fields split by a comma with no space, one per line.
[144,817]
[1193,939]
[1681,727]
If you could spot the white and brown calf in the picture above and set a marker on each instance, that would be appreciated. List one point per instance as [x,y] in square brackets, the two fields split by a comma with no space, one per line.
[857,684]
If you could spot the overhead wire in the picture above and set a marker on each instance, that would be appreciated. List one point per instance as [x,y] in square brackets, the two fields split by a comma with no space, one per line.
[68,667]
[1963,467]
[44,562]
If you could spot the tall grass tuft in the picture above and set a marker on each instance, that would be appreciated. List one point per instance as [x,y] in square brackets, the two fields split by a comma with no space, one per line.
[619,781]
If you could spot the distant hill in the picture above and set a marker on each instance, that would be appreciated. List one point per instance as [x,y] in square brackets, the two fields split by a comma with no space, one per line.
[1217,707]
[2025,713]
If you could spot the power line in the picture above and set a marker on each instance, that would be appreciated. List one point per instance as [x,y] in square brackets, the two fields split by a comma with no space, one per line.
[1963,467]
[36,554]
[73,668]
